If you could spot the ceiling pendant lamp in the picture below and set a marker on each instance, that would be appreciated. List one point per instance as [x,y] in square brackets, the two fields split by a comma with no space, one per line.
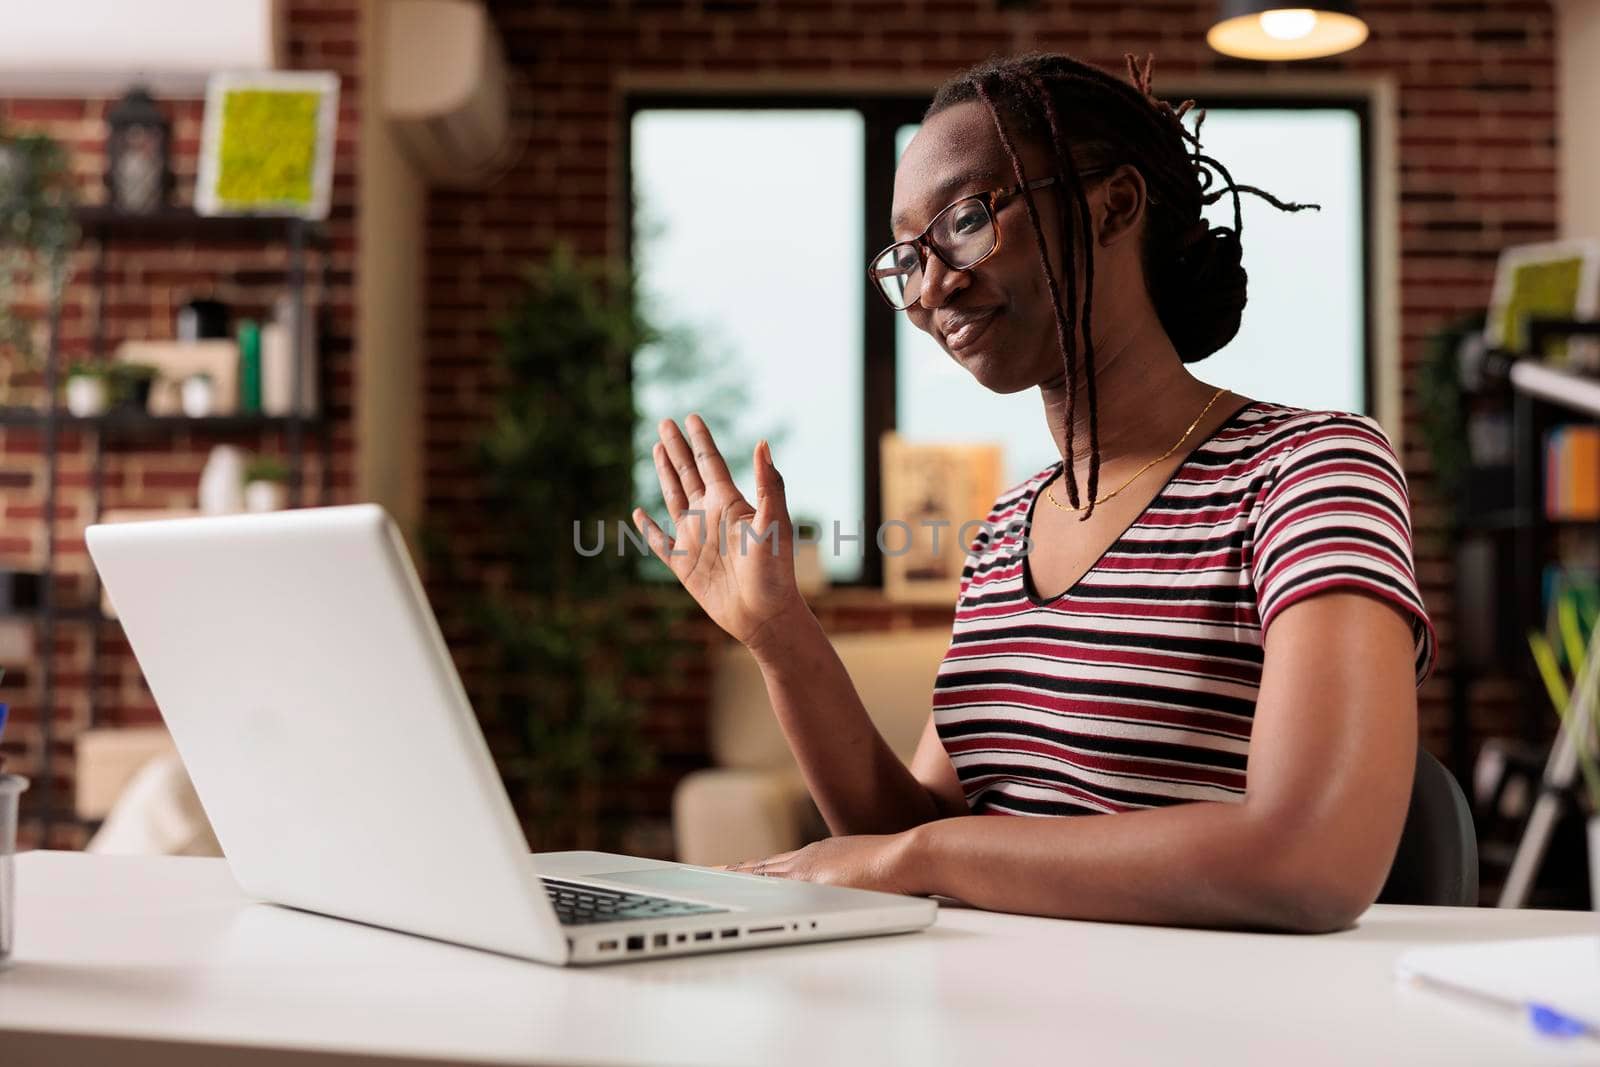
[1264,29]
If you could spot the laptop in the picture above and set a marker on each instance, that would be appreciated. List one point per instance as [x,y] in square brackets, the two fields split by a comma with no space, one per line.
[307,687]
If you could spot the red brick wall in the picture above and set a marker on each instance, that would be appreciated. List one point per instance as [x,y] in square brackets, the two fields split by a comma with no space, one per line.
[1477,156]
[1477,171]
[145,286]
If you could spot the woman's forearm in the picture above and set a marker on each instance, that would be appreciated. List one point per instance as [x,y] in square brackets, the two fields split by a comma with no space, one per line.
[1198,864]
[859,784]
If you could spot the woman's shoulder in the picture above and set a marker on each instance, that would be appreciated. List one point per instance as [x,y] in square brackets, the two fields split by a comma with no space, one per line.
[1266,433]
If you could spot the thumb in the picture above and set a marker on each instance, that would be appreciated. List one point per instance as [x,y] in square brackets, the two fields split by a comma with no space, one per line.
[771,504]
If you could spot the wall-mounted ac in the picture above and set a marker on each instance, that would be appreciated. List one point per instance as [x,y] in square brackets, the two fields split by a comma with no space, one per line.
[78,48]
[446,90]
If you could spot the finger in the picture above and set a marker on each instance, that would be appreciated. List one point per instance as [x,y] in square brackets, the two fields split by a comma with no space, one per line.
[713,471]
[671,487]
[771,502]
[682,459]
[659,542]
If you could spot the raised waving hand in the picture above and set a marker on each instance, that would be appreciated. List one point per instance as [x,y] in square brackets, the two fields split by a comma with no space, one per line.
[736,559]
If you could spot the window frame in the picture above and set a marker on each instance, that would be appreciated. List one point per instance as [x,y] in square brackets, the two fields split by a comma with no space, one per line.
[882,116]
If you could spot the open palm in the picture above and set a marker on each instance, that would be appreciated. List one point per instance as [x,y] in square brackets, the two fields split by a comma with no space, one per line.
[736,559]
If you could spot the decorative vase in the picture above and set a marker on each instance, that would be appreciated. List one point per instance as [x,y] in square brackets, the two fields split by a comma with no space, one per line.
[222,481]
[262,495]
[199,397]
[87,395]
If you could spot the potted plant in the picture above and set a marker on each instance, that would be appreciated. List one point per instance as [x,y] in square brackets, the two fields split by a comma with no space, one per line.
[566,642]
[266,481]
[88,389]
[36,233]
[198,395]
[1575,623]
[131,384]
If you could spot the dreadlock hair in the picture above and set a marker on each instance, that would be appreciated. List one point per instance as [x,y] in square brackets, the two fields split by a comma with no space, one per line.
[1192,269]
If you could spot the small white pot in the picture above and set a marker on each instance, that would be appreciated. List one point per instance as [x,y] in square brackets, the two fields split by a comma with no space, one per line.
[265,496]
[199,397]
[87,395]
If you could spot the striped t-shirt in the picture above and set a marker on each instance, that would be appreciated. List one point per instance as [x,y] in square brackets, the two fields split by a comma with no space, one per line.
[1137,686]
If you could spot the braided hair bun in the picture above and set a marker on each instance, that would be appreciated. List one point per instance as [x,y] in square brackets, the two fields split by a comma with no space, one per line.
[1200,292]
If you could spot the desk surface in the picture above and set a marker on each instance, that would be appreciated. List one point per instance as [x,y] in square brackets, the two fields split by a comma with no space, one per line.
[167,950]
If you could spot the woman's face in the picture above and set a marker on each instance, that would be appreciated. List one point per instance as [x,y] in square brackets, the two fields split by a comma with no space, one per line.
[1011,344]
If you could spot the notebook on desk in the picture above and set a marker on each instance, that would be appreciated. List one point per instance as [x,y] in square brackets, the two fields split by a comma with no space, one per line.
[1560,975]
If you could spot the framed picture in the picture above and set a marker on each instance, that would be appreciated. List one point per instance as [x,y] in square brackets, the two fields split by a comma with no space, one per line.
[266,144]
[929,492]
[1559,279]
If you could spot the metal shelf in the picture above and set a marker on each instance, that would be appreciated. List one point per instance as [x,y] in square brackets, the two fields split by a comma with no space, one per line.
[103,229]
[1515,519]
[136,421]
[1575,392]
[101,223]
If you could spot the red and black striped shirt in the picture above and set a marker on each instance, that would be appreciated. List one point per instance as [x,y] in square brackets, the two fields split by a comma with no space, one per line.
[1137,687]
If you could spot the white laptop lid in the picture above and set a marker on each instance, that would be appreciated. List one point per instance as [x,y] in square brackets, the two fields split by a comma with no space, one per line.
[308,689]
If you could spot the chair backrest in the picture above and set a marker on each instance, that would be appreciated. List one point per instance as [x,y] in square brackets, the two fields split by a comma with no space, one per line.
[893,672]
[1437,860]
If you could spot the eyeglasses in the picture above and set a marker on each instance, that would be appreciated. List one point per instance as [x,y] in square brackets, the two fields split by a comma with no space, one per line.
[962,235]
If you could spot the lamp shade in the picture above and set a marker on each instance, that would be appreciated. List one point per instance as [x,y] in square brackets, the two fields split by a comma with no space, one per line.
[1270,29]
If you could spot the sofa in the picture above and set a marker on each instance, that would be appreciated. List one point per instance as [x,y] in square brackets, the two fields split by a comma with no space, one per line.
[753,801]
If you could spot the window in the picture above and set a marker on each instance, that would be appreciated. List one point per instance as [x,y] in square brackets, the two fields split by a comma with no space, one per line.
[748,231]
[753,220]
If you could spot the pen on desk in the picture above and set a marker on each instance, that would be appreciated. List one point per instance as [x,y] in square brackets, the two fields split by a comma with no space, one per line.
[1545,1020]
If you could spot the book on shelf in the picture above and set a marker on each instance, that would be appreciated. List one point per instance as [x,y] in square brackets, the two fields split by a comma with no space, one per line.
[1572,473]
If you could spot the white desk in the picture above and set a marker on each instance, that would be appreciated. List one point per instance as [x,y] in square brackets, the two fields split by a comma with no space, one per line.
[165,951]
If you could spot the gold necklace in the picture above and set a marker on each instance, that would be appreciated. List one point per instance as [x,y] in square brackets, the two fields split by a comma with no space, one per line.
[1084,507]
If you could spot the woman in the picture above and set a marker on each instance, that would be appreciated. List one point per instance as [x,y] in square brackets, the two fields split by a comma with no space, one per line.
[1205,582]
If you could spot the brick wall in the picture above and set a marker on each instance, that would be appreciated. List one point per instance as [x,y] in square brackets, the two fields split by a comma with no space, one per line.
[1477,171]
[145,285]
[1477,129]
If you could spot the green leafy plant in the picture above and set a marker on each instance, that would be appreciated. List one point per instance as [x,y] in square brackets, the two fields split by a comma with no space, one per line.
[89,370]
[265,469]
[129,383]
[1443,413]
[37,233]
[570,640]
[1575,628]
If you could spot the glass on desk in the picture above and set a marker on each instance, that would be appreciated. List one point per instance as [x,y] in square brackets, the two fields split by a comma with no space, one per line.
[11,789]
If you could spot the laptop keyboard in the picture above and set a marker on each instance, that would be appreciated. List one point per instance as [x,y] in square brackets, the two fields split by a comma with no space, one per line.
[578,905]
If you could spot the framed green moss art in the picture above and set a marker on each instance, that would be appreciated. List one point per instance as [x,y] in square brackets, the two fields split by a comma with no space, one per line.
[1557,279]
[266,144]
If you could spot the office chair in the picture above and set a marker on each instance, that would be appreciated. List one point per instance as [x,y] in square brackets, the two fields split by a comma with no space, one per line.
[1437,860]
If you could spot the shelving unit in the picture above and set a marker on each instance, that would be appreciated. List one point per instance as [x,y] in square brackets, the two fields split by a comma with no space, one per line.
[104,229]
[1522,538]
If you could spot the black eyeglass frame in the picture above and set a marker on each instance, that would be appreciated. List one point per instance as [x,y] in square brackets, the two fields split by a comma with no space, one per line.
[991,199]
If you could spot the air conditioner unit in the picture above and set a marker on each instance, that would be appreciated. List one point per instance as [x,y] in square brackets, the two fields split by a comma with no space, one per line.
[100,47]
[446,90]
